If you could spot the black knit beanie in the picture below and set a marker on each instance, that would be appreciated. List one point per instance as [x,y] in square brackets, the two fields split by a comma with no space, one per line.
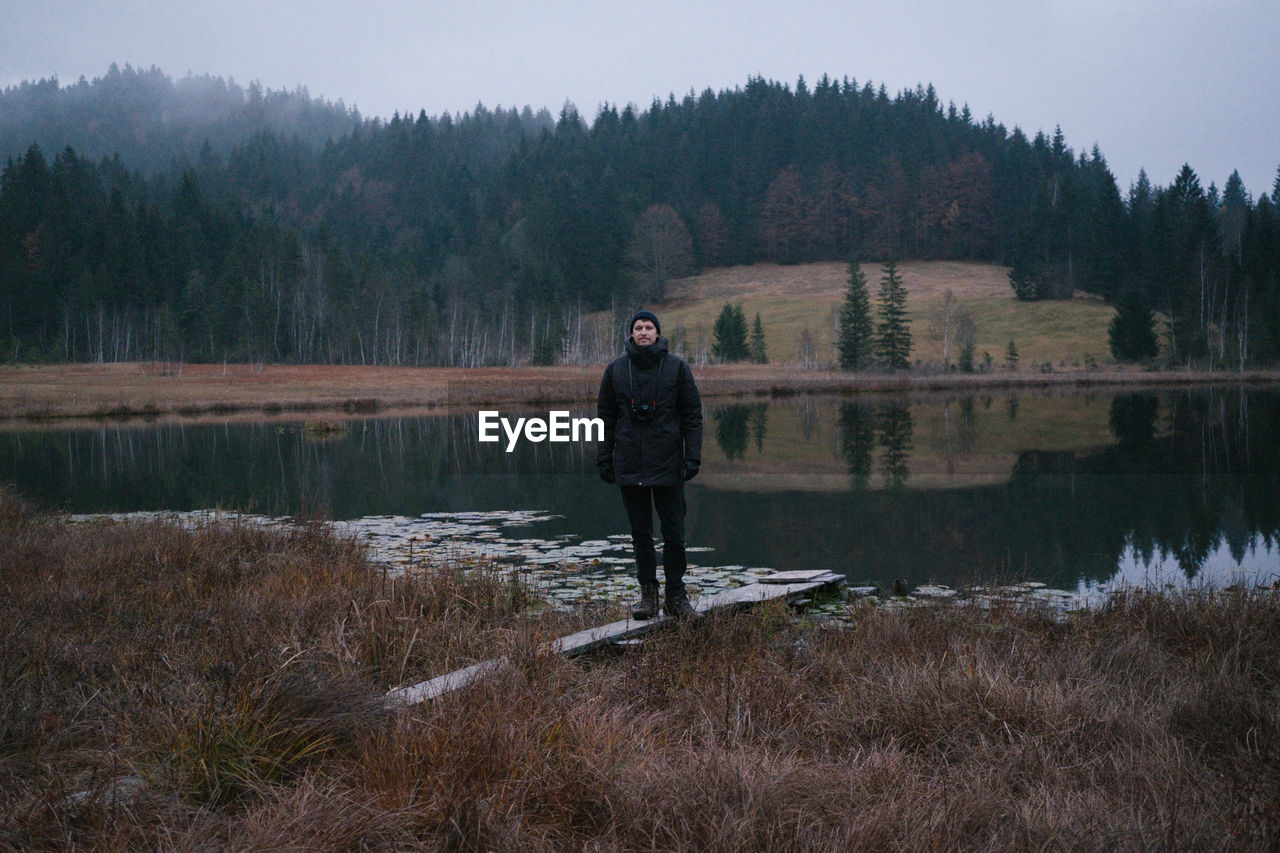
[644,314]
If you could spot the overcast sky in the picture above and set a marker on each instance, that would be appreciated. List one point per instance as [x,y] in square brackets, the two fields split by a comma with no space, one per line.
[1154,83]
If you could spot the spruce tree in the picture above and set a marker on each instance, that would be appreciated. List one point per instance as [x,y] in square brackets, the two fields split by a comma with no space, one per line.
[1131,334]
[1026,271]
[893,337]
[730,333]
[756,344]
[854,343]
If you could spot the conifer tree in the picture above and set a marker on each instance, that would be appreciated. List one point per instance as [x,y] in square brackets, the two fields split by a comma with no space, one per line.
[1131,335]
[854,343]
[893,337]
[730,334]
[756,344]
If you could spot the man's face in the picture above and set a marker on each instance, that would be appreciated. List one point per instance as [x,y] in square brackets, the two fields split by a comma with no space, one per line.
[644,332]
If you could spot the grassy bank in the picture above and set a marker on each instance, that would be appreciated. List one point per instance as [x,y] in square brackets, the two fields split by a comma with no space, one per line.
[1060,343]
[219,687]
[155,392]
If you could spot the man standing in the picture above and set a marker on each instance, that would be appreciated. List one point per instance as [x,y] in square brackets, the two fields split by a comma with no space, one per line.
[652,444]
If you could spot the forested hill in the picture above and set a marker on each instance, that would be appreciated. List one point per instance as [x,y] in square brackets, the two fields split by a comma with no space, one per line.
[152,122]
[303,232]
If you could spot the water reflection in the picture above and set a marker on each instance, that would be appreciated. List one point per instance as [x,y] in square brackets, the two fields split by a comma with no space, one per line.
[895,426]
[863,429]
[857,442]
[1067,489]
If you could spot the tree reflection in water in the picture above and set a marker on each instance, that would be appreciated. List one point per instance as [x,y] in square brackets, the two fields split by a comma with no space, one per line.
[1063,489]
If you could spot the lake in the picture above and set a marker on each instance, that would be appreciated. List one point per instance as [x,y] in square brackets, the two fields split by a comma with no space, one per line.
[1074,490]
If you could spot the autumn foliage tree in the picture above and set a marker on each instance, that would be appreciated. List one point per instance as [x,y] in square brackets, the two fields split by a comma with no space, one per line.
[782,225]
[660,250]
[713,235]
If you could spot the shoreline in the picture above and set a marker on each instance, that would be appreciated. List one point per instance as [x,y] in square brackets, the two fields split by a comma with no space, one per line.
[153,391]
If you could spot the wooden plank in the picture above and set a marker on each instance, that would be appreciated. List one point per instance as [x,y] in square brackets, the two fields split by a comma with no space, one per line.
[425,691]
[594,638]
[795,576]
[770,587]
[753,593]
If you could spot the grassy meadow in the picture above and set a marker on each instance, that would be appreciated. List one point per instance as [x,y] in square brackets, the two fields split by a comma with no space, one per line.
[791,299]
[222,688]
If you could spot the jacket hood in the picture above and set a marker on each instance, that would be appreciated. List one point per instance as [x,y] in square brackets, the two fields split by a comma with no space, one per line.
[649,355]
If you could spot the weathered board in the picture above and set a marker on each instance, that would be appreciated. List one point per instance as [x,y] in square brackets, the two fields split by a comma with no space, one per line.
[777,585]
[794,576]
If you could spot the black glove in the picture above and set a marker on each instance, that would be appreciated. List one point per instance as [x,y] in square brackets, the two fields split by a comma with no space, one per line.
[606,472]
[689,470]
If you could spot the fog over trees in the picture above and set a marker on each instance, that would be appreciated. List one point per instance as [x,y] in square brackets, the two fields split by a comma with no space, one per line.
[143,218]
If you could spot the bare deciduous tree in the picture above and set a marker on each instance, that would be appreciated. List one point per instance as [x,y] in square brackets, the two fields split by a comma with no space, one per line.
[661,249]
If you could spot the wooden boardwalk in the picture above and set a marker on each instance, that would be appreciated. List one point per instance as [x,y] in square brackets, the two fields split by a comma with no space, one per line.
[788,585]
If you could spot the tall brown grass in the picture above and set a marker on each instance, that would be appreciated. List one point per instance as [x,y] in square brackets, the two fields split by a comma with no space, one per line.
[71,393]
[223,687]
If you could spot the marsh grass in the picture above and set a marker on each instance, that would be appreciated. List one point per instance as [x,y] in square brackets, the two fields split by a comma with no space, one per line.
[68,395]
[222,687]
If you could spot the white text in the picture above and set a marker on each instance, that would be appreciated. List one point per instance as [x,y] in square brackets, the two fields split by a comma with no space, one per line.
[558,426]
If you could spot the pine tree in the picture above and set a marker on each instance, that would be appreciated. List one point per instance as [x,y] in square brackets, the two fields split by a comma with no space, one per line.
[1232,216]
[893,337]
[854,344]
[730,333]
[1131,334]
[1011,356]
[756,344]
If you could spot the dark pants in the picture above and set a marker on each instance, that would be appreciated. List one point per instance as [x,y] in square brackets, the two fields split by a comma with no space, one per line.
[640,502]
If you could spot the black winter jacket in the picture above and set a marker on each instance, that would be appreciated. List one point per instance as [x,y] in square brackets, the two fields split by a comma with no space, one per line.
[649,453]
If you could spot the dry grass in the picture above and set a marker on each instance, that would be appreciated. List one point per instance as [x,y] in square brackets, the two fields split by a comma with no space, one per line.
[157,677]
[159,391]
[170,688]
[1067,337]
[791,299]
[70,395]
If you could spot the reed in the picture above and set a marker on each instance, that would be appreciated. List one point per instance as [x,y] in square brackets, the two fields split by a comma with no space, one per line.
[222,687]
[73,393]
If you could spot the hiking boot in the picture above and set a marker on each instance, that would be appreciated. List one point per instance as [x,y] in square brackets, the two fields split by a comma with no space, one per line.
[678,606]
[647,606]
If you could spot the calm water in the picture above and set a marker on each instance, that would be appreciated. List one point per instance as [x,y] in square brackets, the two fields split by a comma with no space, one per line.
[1068,489]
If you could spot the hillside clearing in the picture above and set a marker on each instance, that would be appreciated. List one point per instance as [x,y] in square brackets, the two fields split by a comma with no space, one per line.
[793,299]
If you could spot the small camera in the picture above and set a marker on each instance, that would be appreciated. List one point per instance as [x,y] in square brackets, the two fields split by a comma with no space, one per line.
[643,412]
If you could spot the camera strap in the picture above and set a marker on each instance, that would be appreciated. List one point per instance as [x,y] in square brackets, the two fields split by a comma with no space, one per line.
[631,380]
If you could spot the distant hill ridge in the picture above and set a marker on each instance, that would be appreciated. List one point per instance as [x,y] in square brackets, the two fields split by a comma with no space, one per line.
[245,224]
[151,120]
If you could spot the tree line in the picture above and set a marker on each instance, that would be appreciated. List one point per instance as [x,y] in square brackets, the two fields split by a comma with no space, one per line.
[487,237]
